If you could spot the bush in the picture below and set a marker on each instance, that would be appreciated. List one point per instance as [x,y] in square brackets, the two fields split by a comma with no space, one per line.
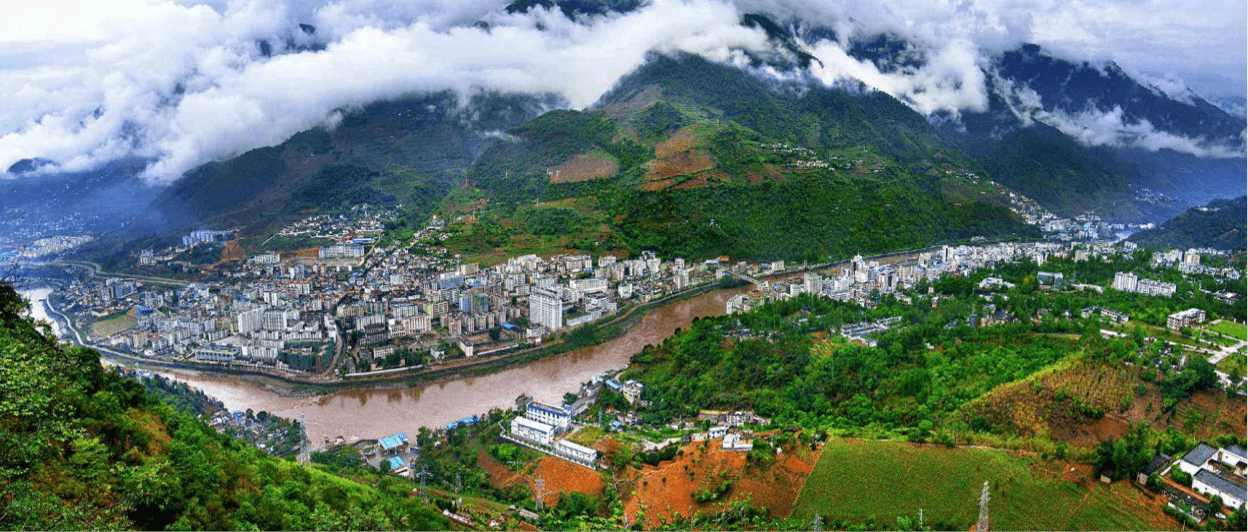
[1181,477]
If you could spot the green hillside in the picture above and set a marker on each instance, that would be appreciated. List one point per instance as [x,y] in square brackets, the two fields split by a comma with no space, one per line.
[1026,493]
[87,449]
[385,149]
[690,158]
[1222,224]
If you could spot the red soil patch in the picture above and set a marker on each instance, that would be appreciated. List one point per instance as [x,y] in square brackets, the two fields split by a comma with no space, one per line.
[500,475]
[562,476]
[589,165]
[668,489]
[683,163]
[233,251]
[680,142]
[659,184]
[768,171]
[305,253]
[681,154]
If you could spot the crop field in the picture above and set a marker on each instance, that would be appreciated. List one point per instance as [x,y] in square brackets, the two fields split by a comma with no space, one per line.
[1232,329]
[1046,405]
[854,481]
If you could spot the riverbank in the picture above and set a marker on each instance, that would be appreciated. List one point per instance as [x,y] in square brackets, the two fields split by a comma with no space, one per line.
[298,385]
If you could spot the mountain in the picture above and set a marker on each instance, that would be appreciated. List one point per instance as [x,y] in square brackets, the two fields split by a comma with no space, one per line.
[111,196]
[698,159]
[690,156]
[1148,136]
[1220,225]
[425,138]
[88,449]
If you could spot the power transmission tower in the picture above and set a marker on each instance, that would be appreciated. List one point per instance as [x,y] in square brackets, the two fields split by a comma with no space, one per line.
[817,526]
[423,474]
[982,524]
[459,485]
[539,491]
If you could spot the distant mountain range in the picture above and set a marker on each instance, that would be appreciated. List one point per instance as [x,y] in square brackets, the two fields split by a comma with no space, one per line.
[1222,224]
[698,157]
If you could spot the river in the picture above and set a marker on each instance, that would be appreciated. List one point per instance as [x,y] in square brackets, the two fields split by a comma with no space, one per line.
[361,414]
[36,297]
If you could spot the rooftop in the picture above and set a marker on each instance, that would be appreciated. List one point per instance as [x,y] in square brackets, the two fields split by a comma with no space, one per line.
[393,442]
[1199,455]
[1230,486]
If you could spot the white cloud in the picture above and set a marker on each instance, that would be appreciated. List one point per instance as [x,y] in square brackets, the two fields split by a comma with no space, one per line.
[185,82]
[951,80]
[1093,127]
[193,85]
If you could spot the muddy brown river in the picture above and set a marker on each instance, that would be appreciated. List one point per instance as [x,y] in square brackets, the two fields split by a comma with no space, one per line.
[360,414]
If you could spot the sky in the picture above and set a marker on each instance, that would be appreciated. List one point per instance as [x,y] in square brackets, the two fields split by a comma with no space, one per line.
[182,83]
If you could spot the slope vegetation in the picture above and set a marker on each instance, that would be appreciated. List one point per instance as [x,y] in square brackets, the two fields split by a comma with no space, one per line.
[87,449]
[1222,224]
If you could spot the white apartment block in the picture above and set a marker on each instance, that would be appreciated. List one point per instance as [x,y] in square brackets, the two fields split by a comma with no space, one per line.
[546,309]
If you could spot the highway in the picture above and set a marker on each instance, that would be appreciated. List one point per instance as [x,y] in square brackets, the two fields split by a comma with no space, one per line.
[98,271]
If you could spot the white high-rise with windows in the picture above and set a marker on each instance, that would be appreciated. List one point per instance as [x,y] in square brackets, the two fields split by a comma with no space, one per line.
[1126,282]
[546,309]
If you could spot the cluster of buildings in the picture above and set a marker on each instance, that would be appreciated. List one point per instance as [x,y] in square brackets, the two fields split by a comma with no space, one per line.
[860,280]
[361,221]
[52,245]
[1214,471]
[1189,262]
[280,323]
[293,312]
[541,427]
[1129,282]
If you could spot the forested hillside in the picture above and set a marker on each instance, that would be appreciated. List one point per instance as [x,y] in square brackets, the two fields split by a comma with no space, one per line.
[1222,224]
[87,449]
[690,158]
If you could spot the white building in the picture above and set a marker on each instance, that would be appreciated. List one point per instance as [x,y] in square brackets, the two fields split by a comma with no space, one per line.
[1150,287]
[812,283]
[337,251]
[1126,282]
[1217,471]
[576,452]
[546,309]
[1185,318]
[733,442]
[267,258]
[250,321]
[1229,487]
[534,431]
[557,417]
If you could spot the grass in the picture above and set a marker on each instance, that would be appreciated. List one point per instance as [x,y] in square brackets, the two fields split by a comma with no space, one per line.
[1232,329]
[112,325]
[588,435]
[1231,362]
[855,480]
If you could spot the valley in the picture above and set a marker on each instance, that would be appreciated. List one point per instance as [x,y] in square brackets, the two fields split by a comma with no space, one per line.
[623,265]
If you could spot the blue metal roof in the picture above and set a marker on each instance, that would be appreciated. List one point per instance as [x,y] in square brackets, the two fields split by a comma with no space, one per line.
[393,442]
[395,462]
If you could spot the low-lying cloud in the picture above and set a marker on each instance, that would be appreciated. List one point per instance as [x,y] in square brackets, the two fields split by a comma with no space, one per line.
[1095,127]
[184,83]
